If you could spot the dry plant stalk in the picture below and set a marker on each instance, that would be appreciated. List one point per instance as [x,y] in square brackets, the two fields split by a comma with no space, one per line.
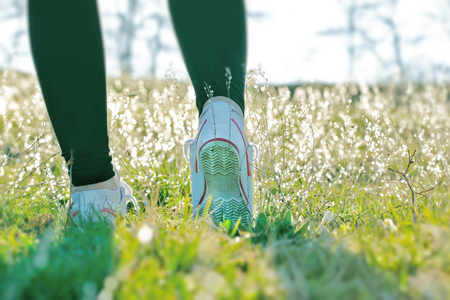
[404,173]
[413,193]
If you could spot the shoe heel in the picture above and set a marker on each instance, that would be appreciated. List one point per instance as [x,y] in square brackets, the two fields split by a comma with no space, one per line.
[219,158]
[219,161]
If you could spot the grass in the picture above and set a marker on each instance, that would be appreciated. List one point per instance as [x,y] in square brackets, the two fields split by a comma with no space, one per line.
[330,221]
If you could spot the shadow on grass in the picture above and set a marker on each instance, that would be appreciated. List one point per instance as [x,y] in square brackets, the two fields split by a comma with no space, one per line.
[64,265]
[313,265]
[315,269]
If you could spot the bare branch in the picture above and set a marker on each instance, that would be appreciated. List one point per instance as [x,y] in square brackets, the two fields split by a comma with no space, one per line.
[404,175]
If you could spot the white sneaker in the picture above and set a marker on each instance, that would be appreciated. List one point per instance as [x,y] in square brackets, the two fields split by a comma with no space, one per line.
[101,201]
[221,163]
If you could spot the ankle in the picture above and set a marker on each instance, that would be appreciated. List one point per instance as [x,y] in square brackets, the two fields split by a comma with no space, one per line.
[111,184]
[227,100]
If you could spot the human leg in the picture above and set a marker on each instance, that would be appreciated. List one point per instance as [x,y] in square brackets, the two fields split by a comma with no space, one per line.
[67,50]
[212,37]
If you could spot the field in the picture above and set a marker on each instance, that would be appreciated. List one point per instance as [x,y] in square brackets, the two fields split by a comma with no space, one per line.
[351,198]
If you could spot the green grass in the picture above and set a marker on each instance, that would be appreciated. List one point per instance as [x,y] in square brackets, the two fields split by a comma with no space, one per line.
[330,221]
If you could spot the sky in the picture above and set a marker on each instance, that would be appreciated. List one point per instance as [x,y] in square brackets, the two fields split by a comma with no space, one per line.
[287,42]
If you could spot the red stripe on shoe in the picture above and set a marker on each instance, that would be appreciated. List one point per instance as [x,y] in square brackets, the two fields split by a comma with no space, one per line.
[202,198]
[196,141]
[242,188]
[219,140]
[249,172]
[109,211]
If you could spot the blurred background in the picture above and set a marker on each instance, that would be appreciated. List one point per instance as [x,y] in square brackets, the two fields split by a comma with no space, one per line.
[292,41]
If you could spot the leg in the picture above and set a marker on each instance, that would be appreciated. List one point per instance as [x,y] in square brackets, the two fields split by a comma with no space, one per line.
[67,49]
[212,36]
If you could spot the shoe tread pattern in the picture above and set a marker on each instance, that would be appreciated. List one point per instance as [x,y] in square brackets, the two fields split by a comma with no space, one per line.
[232,210]
[219,159]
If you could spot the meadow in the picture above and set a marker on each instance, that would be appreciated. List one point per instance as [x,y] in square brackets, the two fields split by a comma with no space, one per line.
[351,193]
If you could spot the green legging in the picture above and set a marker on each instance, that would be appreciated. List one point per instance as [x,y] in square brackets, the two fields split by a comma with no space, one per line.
[67,49]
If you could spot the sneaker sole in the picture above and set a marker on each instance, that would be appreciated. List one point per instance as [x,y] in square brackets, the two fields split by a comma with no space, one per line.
[219,162]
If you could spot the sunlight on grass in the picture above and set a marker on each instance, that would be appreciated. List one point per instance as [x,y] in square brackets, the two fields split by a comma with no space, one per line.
[330,221]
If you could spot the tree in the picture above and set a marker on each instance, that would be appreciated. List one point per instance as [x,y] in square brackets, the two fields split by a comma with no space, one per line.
[126,33]
[155,43]
[133,20]
[439,16]
[397,41]
[14,10]
[380,13]
[353,31]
